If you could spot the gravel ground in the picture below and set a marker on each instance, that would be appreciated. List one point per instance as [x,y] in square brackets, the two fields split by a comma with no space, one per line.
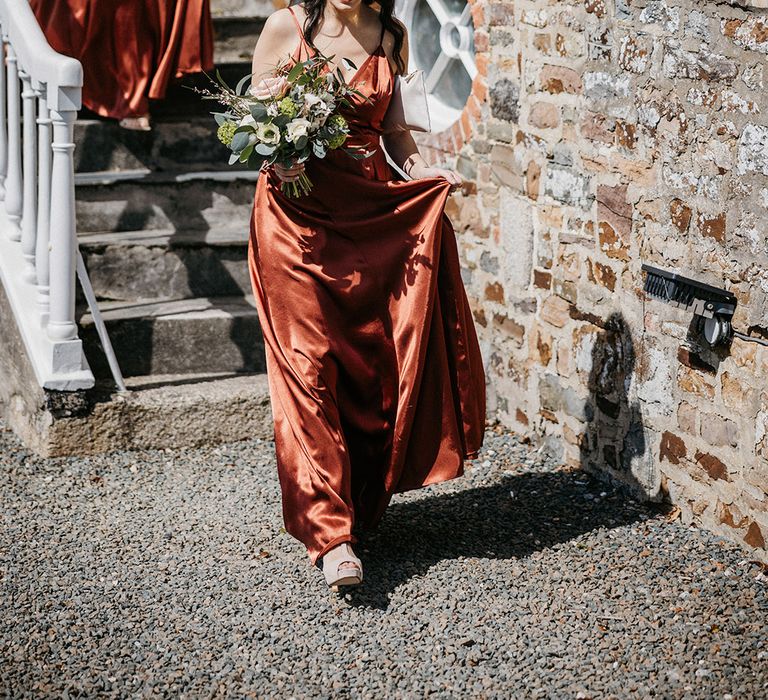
[167,573]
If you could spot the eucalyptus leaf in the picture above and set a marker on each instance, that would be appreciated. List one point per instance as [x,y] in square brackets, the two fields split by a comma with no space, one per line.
[318,149]
[264,149]
[221,80]
[234,158]
[301,143]
[258,110]
[239,141]
[242,83]
[281,120]
[295,72]
[220,118]
[246,152]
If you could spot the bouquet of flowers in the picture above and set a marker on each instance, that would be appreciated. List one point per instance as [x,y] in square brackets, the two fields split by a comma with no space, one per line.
[286,118]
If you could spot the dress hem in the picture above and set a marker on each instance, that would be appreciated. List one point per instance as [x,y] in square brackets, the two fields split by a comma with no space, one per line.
[334,542]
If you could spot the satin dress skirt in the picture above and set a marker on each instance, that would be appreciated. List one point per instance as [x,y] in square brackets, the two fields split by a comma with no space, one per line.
[130,49]
[375,373]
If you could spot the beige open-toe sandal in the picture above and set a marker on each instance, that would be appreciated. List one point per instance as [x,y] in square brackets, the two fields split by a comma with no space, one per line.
[341,567]
[136,123]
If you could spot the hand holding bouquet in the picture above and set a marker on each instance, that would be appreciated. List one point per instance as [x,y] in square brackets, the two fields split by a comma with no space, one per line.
[286,118]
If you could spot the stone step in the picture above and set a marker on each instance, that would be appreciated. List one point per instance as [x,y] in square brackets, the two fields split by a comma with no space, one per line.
[235,37]
[130,266]
[175,144]
[182,102]
[142,200]
[158,412]
[219,334]
[243,8]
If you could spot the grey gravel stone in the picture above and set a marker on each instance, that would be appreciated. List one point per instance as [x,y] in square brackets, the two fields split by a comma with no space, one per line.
[168,573]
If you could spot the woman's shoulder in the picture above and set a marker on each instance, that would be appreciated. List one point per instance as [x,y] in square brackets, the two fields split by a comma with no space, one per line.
[282,22]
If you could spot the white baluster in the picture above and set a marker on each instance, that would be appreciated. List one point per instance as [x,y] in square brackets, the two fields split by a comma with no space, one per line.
[29,208]
[61,323]
[3,126]
[13,196]
[43,204]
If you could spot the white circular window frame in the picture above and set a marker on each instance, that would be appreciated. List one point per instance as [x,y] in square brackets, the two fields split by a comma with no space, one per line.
[455,44]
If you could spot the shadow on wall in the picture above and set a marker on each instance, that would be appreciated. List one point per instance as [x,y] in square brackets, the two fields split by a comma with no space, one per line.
[615,440]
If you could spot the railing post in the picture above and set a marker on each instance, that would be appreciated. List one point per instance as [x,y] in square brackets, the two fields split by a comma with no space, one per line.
[42,260]
[29,199]
[61,323]
[3,122]
[13,196]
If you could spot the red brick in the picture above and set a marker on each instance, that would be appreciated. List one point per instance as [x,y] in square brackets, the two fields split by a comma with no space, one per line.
[601,274]
[542,279]
[712,227]
[672,448]
[754,537]
[731,516]
[712,465]
[494,292]
[595,7]
[680,214]
[625,134]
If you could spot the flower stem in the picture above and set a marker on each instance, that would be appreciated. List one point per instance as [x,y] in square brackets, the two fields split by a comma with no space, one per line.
[298,187]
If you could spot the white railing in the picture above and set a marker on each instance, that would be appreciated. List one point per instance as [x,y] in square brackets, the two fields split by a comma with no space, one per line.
[40,93]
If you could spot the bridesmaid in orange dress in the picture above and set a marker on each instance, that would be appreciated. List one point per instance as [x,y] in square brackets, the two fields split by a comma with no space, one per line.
[130,49]
[374,369]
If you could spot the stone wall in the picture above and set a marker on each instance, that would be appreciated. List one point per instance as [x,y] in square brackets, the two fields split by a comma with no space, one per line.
[618,132]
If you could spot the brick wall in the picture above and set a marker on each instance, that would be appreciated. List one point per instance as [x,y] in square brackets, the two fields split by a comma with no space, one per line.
[612,133]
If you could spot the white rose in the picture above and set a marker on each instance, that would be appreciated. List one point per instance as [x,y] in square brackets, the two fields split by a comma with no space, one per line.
[297,128]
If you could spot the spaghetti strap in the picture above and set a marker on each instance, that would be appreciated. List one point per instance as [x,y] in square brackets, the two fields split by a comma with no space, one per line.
[381,37]
[298,25]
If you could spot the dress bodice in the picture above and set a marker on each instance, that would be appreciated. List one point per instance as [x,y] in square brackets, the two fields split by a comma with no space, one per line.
[374,80]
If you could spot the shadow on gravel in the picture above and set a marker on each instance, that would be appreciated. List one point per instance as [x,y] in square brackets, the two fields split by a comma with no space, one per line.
[546,509]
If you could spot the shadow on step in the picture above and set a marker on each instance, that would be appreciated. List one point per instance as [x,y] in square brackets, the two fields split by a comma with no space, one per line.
[192,336]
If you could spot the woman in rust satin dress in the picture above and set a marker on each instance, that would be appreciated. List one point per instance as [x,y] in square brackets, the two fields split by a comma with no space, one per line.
[130,49]
[375,374]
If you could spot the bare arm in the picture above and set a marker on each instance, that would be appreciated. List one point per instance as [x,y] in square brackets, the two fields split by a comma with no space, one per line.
[404,151]
[276,41]
[275,45]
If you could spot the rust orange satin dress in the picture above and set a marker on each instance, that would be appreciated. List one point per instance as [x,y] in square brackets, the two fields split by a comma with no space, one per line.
[130,49]
[375,374]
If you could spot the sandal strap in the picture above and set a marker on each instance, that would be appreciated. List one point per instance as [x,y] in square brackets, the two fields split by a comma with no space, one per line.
[340,555]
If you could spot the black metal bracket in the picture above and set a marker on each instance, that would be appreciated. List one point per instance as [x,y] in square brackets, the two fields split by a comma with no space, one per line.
[713,307]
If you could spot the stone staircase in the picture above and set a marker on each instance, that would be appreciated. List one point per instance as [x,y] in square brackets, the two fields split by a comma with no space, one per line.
[163,225]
